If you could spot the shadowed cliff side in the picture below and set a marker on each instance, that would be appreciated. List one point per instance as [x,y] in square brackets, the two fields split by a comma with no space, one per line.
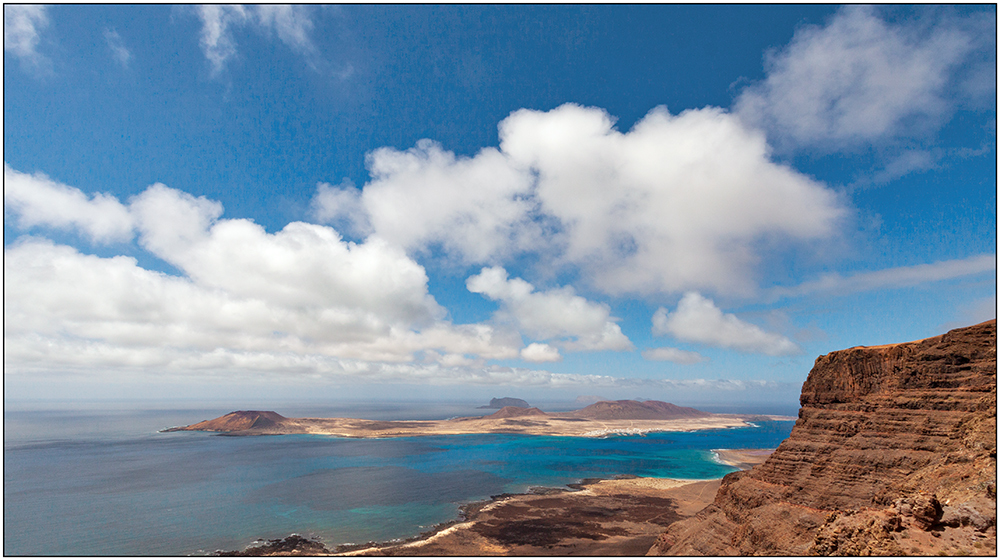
[894,452]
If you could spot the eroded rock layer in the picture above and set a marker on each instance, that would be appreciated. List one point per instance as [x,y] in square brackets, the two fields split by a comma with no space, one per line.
[894,452]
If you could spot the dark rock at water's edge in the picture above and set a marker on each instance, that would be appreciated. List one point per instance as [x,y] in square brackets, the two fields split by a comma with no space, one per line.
[292,545]
[507,401]
[894,453]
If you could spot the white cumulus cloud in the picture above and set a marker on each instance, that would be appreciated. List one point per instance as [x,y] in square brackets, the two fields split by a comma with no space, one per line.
[300,299]
[861,79]
[697,319]
[540,352]
[475,208]
[341,206]
[559,313]
[679,202]
[37,200]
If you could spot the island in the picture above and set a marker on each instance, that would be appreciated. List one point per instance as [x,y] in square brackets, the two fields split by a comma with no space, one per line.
[506,401]
[625,417]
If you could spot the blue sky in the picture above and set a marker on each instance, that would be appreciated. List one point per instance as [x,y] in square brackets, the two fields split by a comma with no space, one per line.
[688,203]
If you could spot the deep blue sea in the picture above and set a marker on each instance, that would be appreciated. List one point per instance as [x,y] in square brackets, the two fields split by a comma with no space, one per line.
[106,482]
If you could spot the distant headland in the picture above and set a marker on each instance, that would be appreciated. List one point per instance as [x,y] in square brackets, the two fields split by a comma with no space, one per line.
[625,417]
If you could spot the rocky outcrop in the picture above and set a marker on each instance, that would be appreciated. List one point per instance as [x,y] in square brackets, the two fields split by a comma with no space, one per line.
[238,421]
[894,452]
[292,545]
[635,410]
[516,412]
[507,401]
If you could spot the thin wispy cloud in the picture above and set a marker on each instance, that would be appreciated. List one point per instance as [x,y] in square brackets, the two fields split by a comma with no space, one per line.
[22,32]
[861,80]
[675,355]
[890,278]
[119,52]
[292,25]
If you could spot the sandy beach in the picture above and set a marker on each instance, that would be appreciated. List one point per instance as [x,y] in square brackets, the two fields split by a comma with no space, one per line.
[742,458]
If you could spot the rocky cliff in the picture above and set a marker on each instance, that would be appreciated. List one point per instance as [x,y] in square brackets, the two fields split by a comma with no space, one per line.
[894,452]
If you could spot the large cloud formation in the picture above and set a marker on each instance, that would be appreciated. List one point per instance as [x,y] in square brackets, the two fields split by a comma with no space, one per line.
[285,300]
[678,202]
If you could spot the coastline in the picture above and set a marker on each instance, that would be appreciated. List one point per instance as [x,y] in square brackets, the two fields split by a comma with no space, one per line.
[594,517]
[525,425]
[742,459]
[559,507]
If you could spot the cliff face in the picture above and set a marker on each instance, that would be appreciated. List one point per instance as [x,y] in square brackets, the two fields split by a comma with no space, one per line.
[894,452]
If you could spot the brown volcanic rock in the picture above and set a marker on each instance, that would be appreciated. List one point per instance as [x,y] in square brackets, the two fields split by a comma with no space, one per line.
[239,421]
[894,452]
[516,412]
[635,410]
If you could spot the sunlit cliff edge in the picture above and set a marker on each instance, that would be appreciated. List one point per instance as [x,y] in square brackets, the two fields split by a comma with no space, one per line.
[894,452]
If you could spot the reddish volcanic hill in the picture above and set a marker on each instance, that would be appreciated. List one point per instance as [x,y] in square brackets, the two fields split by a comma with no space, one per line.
[635,410]
[515,412]
[894,452]
[240,420]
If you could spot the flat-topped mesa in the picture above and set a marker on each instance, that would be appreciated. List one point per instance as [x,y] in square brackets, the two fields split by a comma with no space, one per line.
[891,442]
[507,401]
[238,421]
[516,412]
[635,410]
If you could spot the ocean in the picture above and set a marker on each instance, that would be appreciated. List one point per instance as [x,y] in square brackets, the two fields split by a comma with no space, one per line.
[100,481]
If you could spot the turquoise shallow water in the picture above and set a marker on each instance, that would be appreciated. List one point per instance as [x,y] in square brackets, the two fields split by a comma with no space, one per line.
[119,489]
